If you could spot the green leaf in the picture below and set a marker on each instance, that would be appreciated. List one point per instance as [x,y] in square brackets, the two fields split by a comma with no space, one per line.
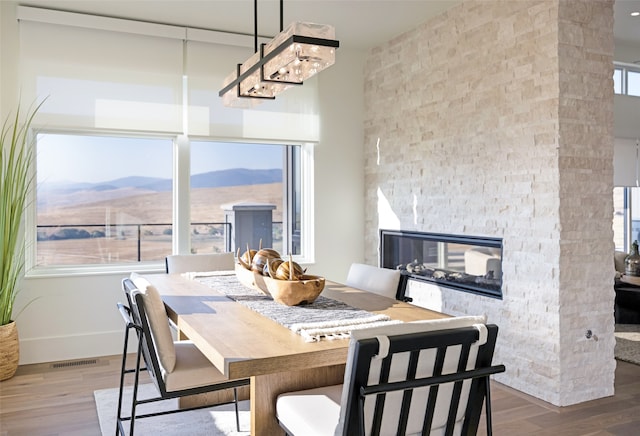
[16,180]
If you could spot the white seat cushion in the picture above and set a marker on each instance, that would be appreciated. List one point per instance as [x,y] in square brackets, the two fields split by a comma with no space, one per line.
[312,412]
[158,322]
[192,369]
[381,281]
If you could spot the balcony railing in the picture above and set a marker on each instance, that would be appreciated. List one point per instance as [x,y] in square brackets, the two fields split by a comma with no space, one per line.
[75,244]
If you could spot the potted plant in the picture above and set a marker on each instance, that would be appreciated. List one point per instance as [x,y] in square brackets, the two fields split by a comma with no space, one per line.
[16,179]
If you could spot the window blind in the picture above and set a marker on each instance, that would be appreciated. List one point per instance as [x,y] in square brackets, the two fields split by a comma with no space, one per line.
[98,79]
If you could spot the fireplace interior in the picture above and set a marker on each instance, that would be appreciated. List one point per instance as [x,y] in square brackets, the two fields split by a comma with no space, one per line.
[463,263]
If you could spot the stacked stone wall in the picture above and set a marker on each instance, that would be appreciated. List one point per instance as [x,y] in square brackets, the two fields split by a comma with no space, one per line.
[495,119]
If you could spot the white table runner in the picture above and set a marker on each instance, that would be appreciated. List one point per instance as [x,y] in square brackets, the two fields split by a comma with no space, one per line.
[324,319]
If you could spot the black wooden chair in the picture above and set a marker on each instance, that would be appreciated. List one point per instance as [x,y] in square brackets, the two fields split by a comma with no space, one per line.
[177,368]
[413,378]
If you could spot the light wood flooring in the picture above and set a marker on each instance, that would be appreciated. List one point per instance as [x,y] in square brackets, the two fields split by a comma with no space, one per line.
[44,400]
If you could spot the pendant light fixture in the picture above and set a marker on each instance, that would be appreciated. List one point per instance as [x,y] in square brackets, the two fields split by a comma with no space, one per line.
[294,55]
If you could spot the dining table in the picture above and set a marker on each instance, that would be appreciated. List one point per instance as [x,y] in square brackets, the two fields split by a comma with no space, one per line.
[243,342]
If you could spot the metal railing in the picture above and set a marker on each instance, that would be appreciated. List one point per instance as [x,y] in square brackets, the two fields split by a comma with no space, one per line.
[127,242]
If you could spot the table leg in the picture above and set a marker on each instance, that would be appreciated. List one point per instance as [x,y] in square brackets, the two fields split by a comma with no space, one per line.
[217,397]
[266,388]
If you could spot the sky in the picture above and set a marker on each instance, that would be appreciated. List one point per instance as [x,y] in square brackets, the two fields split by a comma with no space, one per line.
[60,157]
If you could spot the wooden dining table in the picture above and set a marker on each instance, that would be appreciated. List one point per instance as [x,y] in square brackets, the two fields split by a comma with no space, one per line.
[242,343]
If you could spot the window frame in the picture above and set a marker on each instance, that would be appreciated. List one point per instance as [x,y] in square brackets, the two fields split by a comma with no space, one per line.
[181,222]
[625,69]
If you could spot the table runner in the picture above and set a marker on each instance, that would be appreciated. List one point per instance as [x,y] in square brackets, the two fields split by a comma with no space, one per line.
[325,318]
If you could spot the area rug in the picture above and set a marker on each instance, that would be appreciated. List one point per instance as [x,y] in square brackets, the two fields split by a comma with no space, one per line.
[628,343]
[220,420]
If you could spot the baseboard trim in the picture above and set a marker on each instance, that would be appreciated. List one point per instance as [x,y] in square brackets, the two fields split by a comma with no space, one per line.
[61,348]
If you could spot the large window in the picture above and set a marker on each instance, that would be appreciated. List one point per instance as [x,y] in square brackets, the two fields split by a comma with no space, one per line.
[106,200]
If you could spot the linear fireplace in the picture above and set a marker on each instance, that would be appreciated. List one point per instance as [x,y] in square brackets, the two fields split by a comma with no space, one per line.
[464,263]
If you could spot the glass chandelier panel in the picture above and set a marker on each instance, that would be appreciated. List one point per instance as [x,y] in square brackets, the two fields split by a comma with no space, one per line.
[297,61]
[294,55]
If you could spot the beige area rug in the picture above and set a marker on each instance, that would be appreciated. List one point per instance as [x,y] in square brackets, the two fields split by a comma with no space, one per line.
[628,343]
[220,420]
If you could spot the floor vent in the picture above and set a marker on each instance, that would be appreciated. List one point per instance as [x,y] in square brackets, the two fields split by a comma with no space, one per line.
[74,363]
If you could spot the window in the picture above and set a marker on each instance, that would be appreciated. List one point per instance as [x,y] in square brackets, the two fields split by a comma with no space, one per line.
[106,200]
[626,79]
[626,217]
[617,80]
[228,176]
[633,83]
[102,199]
[619,218]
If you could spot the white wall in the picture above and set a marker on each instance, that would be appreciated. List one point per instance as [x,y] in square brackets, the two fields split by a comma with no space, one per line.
[339,206]
[626,52]
[72,317]
[8,58]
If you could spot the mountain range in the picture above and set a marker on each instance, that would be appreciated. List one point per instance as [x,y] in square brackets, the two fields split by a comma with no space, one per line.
[212,179]
[62,194]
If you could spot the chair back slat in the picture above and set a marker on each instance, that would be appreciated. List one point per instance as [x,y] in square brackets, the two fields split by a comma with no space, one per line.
[433,390]
[408,394]
[463,363]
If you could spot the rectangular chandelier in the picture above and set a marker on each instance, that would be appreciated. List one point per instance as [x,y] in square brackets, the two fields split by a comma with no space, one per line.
[295,54]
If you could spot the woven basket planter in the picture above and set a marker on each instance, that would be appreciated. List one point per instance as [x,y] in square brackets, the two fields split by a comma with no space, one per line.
[9,350]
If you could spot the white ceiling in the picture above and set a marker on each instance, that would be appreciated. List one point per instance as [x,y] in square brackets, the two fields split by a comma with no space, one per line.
[358,23]
[626,28]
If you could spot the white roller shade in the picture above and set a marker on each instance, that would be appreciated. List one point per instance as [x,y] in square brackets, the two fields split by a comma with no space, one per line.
[101,79]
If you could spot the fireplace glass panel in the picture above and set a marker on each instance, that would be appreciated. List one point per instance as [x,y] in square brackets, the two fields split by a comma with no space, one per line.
[465,263]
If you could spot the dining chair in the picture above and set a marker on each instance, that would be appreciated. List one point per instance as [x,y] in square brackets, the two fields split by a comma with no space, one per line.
[177,368]
[180,263]
[382,281]
[425,377]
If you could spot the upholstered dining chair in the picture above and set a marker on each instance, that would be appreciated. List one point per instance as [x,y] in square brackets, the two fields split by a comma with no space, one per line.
[381,281]
[180,263]
[177,368]
[413,378]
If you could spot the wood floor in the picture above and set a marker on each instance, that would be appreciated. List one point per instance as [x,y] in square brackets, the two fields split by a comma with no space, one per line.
[46,400]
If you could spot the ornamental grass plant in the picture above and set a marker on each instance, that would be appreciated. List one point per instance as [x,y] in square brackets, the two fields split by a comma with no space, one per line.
[16,179]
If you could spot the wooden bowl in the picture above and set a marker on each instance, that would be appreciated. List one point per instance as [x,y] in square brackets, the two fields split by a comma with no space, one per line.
[287,292]
[295,292]
[251,279]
